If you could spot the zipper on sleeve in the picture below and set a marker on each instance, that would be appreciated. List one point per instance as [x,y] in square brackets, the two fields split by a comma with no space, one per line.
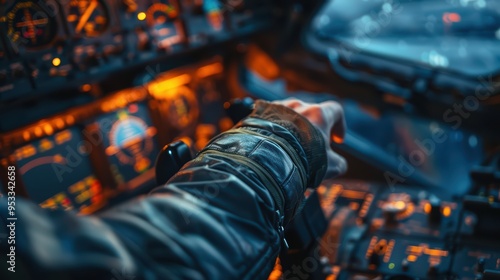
[281,231]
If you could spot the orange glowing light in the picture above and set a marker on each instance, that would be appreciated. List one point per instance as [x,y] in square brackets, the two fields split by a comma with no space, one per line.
[86,88]
[70,120]
[38,132]
[26,135]
[447,211]
[111,151]
[209,70]
[417,250]
[277,271]
[46,145]
[427,208]
[160,89]
[354,206]
[216,19]
[411,258]
[435,252]
[400,205]
[141,16]
[48,129]
[56,61]
[262,64]
[63,137]
[337,139]
[59,123]
[353,194]
[451,17]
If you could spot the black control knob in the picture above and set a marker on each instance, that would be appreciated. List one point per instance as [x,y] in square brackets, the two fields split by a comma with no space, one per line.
[433,270]
[435,210]
[374,260]
[170,160]
[238,109]
[405,265]
[392,209]
[390,215]
[480,265]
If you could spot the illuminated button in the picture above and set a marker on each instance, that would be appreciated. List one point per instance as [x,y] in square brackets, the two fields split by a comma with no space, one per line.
[391,209]
[56,61]
[141,16]
[447,211]
[411,258]
[86,88]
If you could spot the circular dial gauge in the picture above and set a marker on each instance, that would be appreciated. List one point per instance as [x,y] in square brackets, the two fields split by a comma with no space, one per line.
[162,17]
[160,13]
[88,18]
[132,142]
[30,26]
[181,108]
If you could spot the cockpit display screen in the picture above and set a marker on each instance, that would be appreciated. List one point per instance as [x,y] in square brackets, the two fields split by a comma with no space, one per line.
[57,172]
[130,145]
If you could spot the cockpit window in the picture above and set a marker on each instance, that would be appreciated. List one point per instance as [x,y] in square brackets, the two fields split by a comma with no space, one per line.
[458,35]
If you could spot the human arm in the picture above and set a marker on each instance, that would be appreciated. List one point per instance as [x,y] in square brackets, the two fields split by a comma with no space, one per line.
[215,219]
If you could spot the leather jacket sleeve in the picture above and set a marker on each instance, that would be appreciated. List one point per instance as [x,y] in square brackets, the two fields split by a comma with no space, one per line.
[220,217]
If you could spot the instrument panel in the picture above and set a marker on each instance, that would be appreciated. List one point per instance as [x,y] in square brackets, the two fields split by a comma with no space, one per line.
[399,233]
[89,156]
[91,90]
[51,44]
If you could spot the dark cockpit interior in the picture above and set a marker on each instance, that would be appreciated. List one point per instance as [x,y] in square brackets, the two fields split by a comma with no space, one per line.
[91,91]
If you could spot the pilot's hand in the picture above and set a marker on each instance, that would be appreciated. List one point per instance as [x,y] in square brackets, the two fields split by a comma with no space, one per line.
[328,117]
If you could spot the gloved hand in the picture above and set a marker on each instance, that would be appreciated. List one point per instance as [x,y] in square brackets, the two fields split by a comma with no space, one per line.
[328,117]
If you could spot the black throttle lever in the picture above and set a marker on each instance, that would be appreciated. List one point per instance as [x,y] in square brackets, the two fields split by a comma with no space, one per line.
[239,109]
[170,160]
